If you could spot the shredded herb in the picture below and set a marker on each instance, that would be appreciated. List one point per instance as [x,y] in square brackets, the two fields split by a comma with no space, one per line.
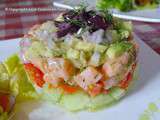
[77,22]
[81,7]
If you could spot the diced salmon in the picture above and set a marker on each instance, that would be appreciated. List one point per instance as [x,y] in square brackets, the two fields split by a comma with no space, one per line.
[115,66]
[40,63]
[49,78]
[112,69]
[54,69]
[89,76]
[124,59]
[110,83]
[60,68]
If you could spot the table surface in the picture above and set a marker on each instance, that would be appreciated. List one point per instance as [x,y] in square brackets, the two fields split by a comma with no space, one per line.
[17,16]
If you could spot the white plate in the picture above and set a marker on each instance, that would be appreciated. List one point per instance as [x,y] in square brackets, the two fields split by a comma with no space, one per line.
[146,90]
[148,13]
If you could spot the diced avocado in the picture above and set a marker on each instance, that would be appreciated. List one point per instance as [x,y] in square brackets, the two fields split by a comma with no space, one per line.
[57,52]
[4,78]
[100,48]
[100,101]
[104,57]
[117,49]
[112,35]
[85,46]
[77,63]
[73,54]
[82,59]
[64,46]
[76,101]
[35,50]
[48,53]
[81,62]
[127,25]
[115,35]
[117,93]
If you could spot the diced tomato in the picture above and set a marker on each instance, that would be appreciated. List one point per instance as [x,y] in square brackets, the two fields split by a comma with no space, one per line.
[125,83]
[68,89]
[95,89]
[35,74]
[134,66]
[4,102]
[105,91]
[111,69]
[60,68]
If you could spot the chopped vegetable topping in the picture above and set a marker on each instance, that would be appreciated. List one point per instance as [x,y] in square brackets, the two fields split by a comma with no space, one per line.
[35,74]
[86,50]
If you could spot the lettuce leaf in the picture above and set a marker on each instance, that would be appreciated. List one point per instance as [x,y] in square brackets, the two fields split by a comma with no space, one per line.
[4,79]
[4,116]
[20,86]
[125,5]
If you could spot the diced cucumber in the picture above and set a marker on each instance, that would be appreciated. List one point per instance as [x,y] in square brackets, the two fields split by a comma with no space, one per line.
[76,101]
[112,35]
[117,49]
[100,48]
[100,101]
[83,60]
[117,93]
[81,100]
[73,54]
[51,94]
[85,46]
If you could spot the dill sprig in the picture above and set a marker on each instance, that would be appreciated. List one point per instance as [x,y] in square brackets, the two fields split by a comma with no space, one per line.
[107,15]
[81,7]
[77,22]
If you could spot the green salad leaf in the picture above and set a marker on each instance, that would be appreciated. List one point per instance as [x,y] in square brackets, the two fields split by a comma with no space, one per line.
[123,5]
[20,86]
[126,5]
[4,79]
[3,116]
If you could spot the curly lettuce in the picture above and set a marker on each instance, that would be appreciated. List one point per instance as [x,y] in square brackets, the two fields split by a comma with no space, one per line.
[126,5]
